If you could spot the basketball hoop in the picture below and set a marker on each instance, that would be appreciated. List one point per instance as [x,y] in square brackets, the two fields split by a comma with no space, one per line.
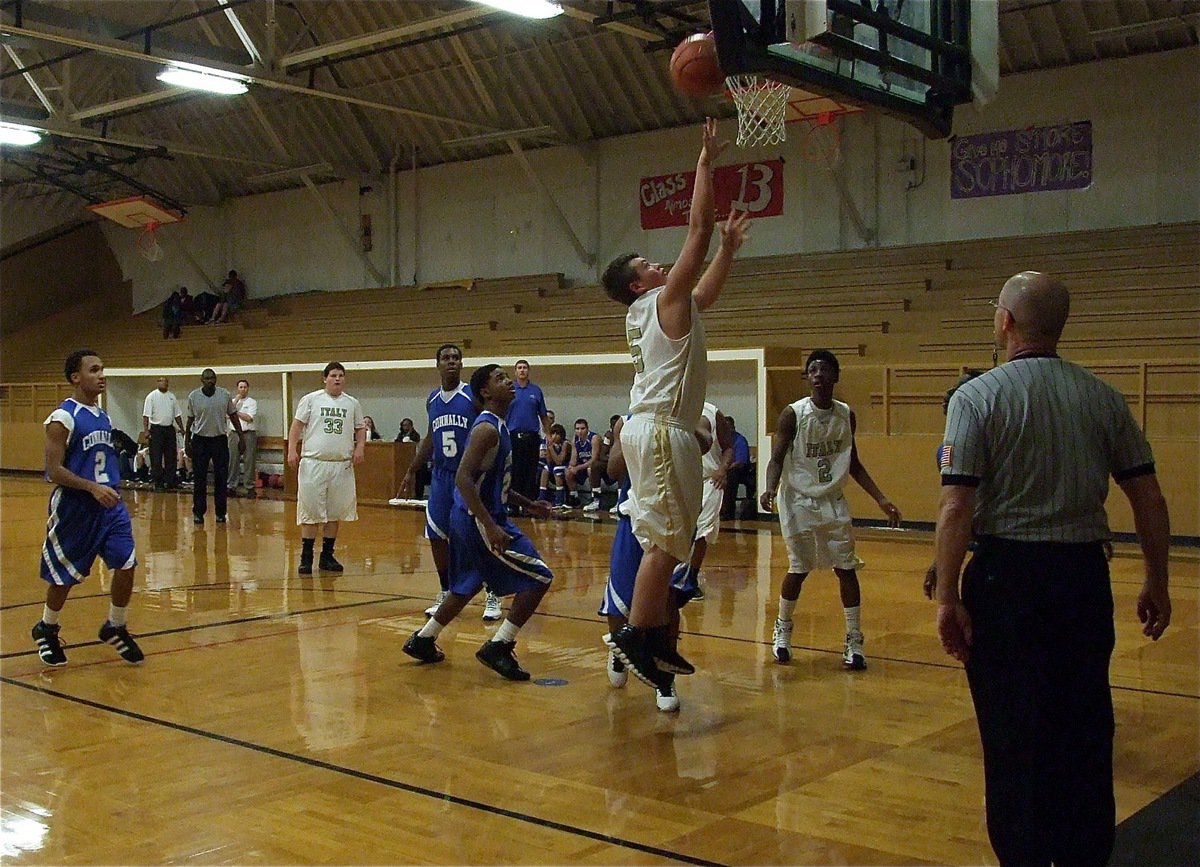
[823,139]
[147,244]
[762,105]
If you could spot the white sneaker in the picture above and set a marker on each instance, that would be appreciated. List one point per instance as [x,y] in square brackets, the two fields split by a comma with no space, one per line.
[781,640]
[395,501]
[437,600]
[852,652]
[491,607]
[666,698]
[615,510]
[617,675]
[593,506]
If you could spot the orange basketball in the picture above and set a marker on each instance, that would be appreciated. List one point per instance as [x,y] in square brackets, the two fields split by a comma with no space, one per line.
[694,66]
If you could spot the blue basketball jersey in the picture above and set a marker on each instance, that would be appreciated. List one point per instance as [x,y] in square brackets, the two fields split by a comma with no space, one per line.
[451,415]
[493,485]
[90,452]
[583,448]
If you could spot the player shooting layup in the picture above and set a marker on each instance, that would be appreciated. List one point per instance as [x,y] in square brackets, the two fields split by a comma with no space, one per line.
[666,339]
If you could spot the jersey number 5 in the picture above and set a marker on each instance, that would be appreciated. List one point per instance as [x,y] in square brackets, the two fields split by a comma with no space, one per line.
[632,335]
[449,445]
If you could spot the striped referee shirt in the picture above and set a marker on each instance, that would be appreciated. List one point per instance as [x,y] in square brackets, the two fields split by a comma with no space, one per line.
[1039,437]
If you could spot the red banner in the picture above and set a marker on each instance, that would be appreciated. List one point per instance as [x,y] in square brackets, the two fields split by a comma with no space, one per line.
[753,187]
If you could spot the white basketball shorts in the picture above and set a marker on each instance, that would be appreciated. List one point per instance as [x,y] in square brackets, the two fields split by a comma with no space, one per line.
[709,524]
[818,532]
[325,491]
[665,476]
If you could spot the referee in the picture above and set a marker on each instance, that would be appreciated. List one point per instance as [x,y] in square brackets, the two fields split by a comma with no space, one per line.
[1028,450]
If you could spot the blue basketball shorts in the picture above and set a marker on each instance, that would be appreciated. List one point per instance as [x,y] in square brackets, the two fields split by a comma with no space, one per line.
[623,566]
[473,563]
[77,531]
[441,501]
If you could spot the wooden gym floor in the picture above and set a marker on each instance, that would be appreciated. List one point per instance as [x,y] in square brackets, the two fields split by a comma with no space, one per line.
[276,720]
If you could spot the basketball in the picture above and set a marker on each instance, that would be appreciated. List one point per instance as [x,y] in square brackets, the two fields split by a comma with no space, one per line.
[694,66]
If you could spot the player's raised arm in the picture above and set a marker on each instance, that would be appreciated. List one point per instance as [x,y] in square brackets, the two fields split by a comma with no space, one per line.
[701,222]
[733,233]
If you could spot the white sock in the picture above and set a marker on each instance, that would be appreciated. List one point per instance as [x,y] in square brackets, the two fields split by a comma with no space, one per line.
[116,616]
[50,618]
[786,607]
[432,629]
[852,618]
[507,631]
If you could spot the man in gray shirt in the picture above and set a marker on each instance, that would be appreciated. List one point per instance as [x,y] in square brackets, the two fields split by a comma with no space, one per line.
[1025,461]
[208,407]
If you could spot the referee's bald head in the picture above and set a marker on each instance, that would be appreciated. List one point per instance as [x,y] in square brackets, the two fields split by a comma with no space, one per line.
[1039,305]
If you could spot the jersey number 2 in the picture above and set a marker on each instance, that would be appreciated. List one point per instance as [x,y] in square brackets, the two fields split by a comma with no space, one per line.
[101,473]
[823,474]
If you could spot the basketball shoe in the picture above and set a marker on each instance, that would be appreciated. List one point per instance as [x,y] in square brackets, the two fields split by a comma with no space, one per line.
[852,652]
[631,646]
[424,649]
[498,656]
[781,640]
[666,697]
[327,563]
[491,607]
[49,646]
[119,637]
[617,675]
[432,609]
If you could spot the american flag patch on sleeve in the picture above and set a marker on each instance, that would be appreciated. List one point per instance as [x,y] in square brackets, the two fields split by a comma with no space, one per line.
[945,450]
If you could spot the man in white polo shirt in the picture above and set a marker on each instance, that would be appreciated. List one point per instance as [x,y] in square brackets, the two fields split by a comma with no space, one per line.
[161,417]
[247,410]
[327,433]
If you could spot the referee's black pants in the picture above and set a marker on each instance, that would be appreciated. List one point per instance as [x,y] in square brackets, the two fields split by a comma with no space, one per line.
[525,445]
[1042,624]
[207,450]
[163,454]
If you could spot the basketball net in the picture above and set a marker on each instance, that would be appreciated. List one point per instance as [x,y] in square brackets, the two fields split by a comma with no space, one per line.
[148,245]
[762,109]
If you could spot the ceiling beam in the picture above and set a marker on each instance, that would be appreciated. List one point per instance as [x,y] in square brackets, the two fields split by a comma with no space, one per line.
[643,33]
[243,35]
[53,127]
[390,34]
[115,48]
[51,109]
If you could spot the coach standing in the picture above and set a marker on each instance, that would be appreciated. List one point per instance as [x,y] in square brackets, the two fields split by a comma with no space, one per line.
[208,407]
[161,417]
[1028,450]
[526,421]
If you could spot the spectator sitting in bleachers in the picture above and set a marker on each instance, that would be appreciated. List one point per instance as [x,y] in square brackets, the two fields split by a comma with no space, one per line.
[233,298]
[173,315]
[206,303]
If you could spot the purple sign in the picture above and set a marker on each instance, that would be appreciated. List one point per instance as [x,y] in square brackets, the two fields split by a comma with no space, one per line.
[1022,161]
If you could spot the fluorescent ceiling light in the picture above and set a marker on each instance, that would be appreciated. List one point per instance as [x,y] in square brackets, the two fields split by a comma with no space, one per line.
[201,78]
[526,8]
[21,136]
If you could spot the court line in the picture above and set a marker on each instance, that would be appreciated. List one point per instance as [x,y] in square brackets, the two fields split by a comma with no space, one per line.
[574,617]
[372,778]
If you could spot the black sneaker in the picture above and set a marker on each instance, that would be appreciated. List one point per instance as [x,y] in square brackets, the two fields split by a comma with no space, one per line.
[328,564]
[665,656]
[49,647]
[498,656]
[198,520]
[119,637]
[221,519]
[630,646]
[423,648]
[305,565]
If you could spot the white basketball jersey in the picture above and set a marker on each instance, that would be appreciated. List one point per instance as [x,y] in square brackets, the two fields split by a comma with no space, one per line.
[712,460]
[670,376]
[329,425]
[819,460]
